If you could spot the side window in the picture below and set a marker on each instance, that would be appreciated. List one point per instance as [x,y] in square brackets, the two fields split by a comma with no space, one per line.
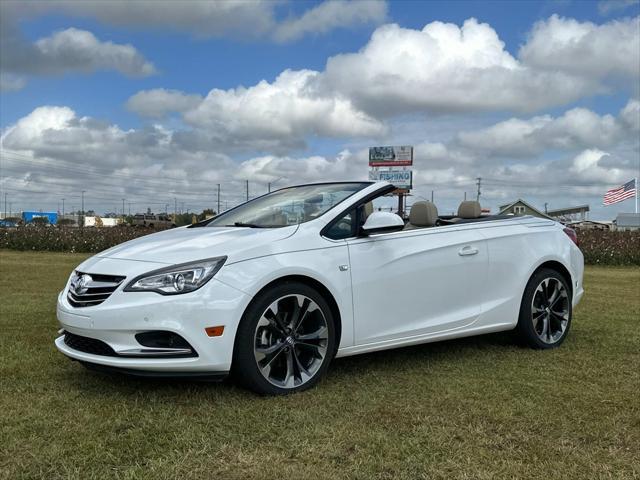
[518,210]
[343,227]
[349,224]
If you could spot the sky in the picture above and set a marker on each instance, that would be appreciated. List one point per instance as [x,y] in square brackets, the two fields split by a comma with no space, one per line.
[155,104]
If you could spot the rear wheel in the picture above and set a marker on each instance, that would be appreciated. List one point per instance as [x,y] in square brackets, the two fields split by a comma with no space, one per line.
[285,341]
[545,312]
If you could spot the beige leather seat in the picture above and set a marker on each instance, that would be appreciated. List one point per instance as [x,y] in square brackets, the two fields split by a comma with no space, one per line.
[422,214]
[368,210]
[469,209]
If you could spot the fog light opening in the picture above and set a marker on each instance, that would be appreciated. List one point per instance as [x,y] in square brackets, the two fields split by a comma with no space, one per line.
[162,339]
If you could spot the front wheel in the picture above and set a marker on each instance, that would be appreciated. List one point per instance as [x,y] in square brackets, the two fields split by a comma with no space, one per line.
[545,312]
[285,340]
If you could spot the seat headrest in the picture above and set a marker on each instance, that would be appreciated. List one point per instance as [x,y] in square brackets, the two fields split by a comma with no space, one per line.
[469,209]
[423,214]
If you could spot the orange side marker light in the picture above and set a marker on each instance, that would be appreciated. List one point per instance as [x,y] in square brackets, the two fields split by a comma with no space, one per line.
[215,331]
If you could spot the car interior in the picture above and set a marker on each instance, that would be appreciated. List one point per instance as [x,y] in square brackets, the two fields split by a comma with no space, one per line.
[424,214]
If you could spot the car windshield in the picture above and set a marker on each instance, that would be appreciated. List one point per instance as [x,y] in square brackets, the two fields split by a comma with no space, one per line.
[288,206]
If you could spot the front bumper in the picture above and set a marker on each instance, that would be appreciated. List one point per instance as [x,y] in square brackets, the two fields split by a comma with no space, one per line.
[118,319]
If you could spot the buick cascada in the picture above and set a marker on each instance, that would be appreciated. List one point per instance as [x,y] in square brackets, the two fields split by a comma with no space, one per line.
[272,290]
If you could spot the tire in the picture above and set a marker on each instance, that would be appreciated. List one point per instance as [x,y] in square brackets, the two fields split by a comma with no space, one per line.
[545,311]
[281,349]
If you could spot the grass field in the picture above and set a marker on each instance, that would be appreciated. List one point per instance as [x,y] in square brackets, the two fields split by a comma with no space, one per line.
[479,408]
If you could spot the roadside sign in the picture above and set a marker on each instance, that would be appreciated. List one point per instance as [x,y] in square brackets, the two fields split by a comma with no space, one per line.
[28,217]
[391,156]
[402,179]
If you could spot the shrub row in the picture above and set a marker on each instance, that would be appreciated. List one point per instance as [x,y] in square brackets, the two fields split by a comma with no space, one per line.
[67,239]
[610,248]
[599,247]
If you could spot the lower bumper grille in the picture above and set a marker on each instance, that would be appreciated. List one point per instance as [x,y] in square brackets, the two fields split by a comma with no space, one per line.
[88,345]
[98,347]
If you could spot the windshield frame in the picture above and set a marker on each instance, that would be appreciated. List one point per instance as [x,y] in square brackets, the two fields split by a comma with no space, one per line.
[363,184]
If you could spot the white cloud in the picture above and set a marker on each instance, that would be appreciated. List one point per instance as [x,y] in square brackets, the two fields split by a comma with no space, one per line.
[606,7]
[442,68]
[11,83]
[587,167]
[159,102]
[577,128]
[54,153]
[290,170]
[289,109]
[199,17]
[584,48]
[630,115]
[329,15]
[80,50]
[445,68]
[70,50]
[203,18]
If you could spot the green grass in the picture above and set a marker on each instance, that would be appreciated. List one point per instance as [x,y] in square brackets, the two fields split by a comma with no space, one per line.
[478,408]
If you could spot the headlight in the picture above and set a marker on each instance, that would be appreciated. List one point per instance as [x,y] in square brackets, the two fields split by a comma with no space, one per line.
[176,279]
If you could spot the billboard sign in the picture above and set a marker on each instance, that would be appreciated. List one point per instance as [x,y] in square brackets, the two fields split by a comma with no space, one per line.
[28,217]
[402,179]
[391,156]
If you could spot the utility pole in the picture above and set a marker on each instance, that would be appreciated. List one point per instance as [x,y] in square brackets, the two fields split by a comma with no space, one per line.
[218,210]
[431,196]
[63,208]
[479,184]
[247,190]
[123,210]
[5,205]
[175,209]
[465,196]
[82,224]
[545,207]
[269,187]
[401,204]
[274,181]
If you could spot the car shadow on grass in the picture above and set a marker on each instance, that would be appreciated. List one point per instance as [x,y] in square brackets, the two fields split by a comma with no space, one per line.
[380,363]
[428,353]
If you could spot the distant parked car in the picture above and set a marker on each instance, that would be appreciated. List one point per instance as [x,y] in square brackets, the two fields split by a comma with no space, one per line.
[8,224]
[153,221]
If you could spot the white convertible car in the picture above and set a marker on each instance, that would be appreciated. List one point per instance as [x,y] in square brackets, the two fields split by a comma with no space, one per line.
[272,290]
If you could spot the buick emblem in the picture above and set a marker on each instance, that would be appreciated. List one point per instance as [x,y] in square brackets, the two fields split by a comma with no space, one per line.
[80,284]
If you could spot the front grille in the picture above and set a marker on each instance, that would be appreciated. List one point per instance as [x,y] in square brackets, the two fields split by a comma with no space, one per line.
[89,289]
[88,345]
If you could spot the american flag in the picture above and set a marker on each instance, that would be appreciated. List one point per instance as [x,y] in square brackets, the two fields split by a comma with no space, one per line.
[615,195]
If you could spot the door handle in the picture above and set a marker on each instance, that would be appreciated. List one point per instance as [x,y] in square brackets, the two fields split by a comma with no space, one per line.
[468,250]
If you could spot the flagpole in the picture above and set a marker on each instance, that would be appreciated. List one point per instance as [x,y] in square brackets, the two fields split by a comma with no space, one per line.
[636,194]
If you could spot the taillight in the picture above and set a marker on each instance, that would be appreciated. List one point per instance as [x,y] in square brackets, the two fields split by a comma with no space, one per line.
[571,233]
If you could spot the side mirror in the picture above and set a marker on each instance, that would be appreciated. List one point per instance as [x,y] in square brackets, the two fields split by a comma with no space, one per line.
[382,222]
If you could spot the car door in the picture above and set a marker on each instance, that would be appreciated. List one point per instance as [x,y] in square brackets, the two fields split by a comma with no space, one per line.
[416,282]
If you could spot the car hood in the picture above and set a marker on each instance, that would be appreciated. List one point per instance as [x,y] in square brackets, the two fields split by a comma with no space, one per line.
[183,245]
